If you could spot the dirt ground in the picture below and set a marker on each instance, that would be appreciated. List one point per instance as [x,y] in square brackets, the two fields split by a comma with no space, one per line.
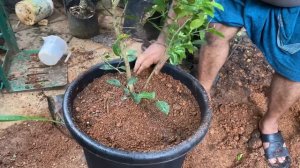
[239,99]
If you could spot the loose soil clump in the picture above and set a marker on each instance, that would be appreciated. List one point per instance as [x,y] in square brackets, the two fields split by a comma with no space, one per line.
[102,112]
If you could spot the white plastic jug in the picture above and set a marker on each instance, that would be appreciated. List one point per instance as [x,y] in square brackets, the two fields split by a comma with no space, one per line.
[53,49]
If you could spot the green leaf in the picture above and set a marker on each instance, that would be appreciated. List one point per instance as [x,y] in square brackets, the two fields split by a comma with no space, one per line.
[217,5]
[131,55]
[132,80]
[131,58]
[136,98]
[122,68]
[209,11]
[199,42]
[106,67]
[126,91]
[202,35]
[215,32]
[196,23]
[239,157]
[147,95]
[8,118]
[114,82]
[116,48]
[163,107]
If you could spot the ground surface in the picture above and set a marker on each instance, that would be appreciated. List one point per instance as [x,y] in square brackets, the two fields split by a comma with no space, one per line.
[239,100]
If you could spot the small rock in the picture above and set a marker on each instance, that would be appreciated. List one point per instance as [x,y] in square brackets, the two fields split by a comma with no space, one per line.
[43,22]
[248,60]
[254,143]
[176,107]
[183,103]
[181,113]
[236,138]
[77,109]
[169,85]
[241,130]
[118,124]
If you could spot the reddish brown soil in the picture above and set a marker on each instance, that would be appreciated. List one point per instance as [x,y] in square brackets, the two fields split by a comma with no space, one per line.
[117,123]
[36,145]
[239,100]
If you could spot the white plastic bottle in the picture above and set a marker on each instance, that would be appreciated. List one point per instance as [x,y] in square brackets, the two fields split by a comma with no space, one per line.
[53,49]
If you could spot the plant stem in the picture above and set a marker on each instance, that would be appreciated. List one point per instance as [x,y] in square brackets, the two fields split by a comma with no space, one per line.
[128,70]
[113,67]
[83,4]
[117,24]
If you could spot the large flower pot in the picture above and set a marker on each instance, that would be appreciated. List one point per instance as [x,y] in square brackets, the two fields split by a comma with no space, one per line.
[100,156]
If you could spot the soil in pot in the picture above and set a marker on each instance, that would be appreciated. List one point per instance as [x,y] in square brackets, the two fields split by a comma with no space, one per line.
[81,13]
[101,112]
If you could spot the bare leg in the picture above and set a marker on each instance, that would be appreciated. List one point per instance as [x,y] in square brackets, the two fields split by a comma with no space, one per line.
[213,55]
[283,95]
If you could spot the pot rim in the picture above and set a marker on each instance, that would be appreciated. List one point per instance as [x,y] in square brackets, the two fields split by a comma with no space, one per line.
[127,157]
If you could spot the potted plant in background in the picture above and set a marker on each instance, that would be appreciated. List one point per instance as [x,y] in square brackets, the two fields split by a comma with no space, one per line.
[82,109]
[82,18]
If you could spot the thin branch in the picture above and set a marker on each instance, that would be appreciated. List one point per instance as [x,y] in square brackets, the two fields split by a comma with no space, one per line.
[112,67]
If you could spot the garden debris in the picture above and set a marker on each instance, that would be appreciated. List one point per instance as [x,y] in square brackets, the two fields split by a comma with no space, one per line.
[43,22]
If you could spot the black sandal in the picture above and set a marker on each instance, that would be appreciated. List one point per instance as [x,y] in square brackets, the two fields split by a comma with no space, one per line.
[276,149]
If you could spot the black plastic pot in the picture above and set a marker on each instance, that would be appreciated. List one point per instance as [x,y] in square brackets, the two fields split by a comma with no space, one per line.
[134,14]
[82,28]
[100,156]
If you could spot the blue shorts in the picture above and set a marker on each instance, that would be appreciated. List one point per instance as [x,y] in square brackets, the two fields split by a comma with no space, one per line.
[274,30]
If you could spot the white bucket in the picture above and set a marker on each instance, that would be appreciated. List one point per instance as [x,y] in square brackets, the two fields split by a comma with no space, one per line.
[30,12]
[52,50]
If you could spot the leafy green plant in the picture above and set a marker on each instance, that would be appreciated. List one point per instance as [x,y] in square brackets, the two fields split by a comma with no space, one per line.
[239,157]
[191,18]
[138,97]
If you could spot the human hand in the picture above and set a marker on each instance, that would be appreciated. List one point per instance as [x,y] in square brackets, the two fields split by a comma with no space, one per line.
[152,55]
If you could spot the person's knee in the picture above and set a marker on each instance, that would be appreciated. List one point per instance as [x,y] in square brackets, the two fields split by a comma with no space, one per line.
[228,33]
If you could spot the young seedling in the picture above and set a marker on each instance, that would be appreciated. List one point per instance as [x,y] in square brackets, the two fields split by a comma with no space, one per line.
[137,97]
[239,157]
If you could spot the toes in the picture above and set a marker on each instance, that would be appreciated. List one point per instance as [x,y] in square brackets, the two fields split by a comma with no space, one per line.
[272,161]
[281,159]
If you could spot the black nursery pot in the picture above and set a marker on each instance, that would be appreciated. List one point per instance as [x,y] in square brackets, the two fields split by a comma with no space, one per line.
[134,14]
[100,156]
[79,27]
